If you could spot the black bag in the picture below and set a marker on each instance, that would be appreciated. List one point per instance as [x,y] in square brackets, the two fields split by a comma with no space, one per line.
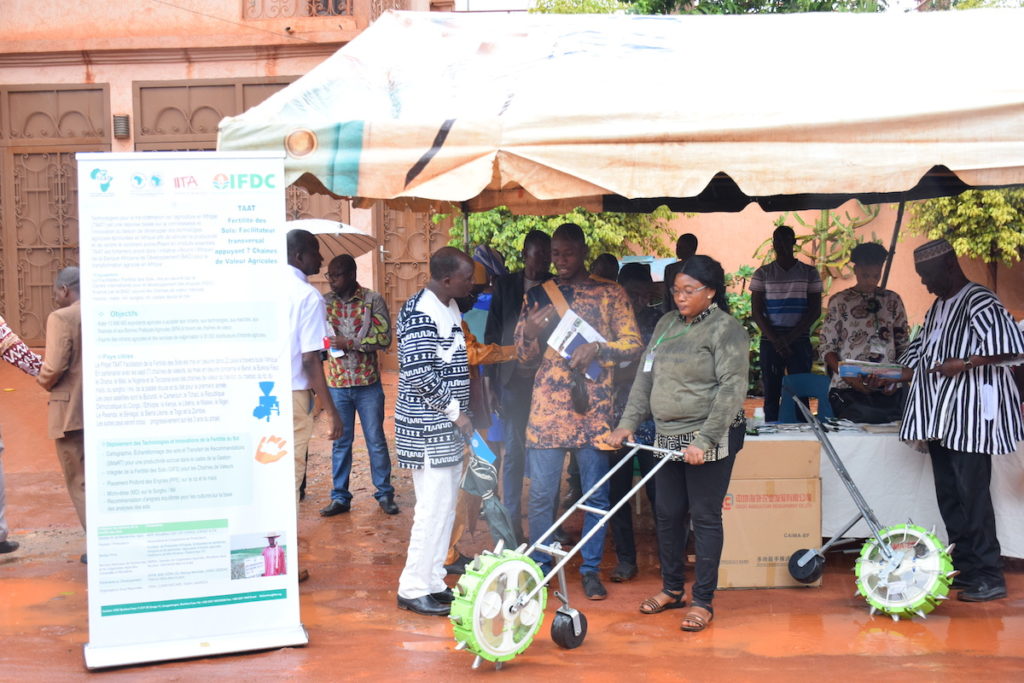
[479,403]
[580,397]
[873,408]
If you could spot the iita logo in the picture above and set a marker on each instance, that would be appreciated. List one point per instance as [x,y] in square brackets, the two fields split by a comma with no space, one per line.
[101,178]
[244,181]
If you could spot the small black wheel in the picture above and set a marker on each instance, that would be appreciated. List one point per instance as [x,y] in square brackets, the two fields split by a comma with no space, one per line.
[810,572]
[562,632]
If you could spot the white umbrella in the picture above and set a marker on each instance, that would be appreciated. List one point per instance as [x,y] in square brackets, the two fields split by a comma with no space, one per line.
[336,237]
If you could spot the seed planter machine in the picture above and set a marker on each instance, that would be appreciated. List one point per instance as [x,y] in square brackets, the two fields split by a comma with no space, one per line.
[500,600]
[902,570]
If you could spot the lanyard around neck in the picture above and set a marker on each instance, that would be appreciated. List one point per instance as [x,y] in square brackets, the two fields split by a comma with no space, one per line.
[696,319]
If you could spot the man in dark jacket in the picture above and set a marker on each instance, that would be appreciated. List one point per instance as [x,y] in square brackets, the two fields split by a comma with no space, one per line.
[515,383]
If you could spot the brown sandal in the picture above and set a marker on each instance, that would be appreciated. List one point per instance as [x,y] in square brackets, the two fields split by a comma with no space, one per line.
[658,603]
[695,621]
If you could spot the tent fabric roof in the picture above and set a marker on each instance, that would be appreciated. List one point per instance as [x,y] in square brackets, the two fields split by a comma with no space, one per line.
[545,112]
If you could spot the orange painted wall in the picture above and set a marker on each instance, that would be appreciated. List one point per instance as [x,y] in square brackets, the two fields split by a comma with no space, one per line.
[33,26]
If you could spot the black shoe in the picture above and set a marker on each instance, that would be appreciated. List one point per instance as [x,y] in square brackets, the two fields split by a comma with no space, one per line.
[303,575]
[387,504]
[335,508]
[458,566]
[593,588]
[8,547]
[84,559]
[982,593]
[562,537]
[445,597]
[624,571]
[426,605]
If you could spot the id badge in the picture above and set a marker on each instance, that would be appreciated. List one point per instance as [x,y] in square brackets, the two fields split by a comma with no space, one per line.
[649,361]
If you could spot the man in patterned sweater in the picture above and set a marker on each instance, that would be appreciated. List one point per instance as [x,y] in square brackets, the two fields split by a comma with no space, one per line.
[361,325]
[558,423]
[431,421]
[14,351]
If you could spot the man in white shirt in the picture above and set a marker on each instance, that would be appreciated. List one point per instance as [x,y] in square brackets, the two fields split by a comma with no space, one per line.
[307,319]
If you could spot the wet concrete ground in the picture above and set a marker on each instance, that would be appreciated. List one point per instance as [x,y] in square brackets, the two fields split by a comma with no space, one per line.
[357,633]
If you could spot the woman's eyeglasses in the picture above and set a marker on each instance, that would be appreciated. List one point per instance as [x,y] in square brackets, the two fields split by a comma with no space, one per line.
[686,292]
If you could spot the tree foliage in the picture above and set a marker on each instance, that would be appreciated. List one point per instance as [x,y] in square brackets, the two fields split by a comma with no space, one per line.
[618,234]
[985,224]
[740,307]
[579,7]
[975,4]
[753,6]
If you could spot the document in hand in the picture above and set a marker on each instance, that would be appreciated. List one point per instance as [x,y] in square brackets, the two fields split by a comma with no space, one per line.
[573,331]
[863,368]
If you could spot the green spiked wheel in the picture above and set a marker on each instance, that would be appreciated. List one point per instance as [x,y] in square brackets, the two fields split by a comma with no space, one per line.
[486,615]
[913,581]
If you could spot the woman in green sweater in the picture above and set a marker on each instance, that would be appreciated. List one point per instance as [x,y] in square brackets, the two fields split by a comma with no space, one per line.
[692,380]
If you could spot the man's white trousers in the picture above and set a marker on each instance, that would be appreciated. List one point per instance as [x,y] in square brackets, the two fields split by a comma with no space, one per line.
[436,490]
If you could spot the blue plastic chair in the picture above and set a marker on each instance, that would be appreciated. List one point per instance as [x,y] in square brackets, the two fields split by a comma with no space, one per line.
[804,385]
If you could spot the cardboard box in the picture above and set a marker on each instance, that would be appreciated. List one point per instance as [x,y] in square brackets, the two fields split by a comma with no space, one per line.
[777,459]
[766,521]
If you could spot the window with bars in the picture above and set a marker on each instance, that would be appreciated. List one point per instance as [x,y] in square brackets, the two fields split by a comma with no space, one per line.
[279,9]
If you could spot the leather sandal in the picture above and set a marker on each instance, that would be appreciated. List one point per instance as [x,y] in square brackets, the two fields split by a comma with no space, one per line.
[695,620]
[658,602]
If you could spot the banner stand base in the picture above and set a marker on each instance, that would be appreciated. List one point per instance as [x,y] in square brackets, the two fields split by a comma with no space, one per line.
[144,653]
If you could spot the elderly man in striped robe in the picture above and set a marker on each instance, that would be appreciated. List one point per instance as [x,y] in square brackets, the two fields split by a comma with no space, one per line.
[964,404]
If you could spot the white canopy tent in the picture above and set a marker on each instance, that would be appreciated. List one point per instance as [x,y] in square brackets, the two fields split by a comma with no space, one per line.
[543,113]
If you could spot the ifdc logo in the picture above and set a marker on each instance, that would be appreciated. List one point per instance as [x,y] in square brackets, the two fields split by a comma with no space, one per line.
[244,181]
[728,501]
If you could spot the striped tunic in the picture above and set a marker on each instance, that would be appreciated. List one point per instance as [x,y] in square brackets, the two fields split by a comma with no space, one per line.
[977,411]
[786,291]
[433,382]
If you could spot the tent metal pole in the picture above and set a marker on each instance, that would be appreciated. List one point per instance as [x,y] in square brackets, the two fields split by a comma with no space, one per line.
[465,226]
[892,244]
